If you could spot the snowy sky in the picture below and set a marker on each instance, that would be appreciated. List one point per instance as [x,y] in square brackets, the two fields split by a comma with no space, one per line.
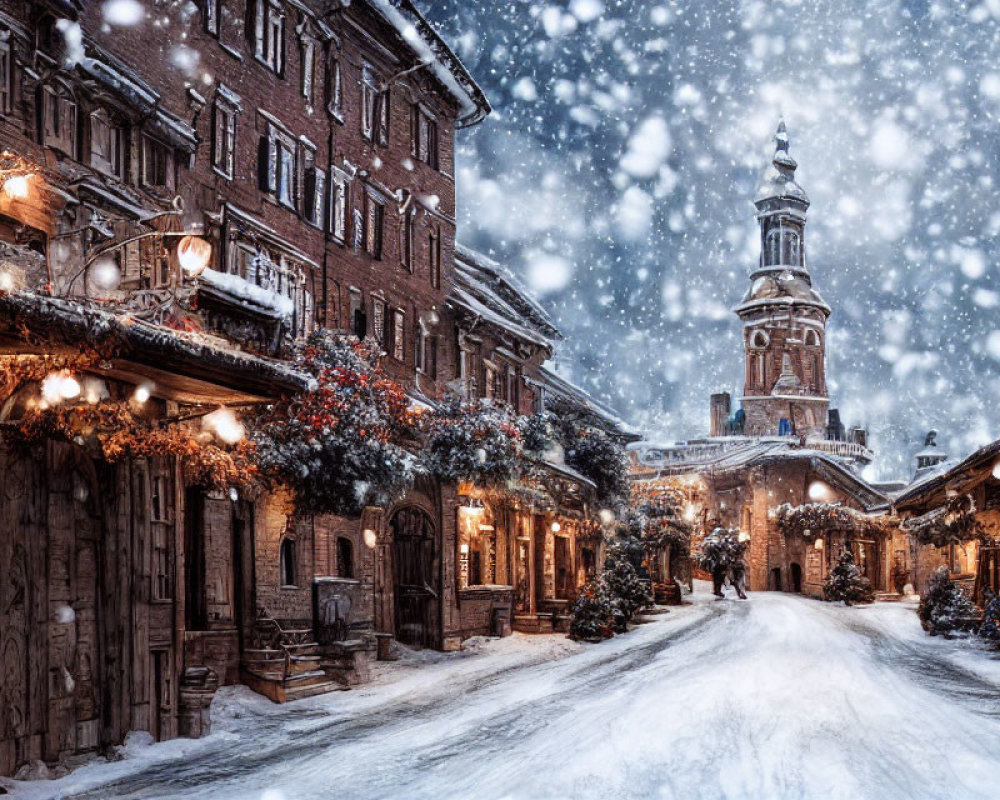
[617,173]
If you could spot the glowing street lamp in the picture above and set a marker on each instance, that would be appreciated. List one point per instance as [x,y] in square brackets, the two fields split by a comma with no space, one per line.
[194,255]
[16,187]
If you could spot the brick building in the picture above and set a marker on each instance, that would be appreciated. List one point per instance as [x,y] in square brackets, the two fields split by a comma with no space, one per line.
[311,147]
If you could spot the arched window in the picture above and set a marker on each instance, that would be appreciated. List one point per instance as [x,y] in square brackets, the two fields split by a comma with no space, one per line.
[345,557]
[773,246]
[812,339]
[759,339]
[286,560]
[792,253]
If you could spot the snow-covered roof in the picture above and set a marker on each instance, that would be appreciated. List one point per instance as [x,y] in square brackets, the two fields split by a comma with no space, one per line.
[265,300]
[463,298]
[967,472]
[574,395]
[722,454]
[432,50]
[498,287]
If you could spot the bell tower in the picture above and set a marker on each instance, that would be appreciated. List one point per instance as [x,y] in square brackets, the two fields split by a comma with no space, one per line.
[784,317]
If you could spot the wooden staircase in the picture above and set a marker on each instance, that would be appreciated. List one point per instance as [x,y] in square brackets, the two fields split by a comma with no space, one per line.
[284,664]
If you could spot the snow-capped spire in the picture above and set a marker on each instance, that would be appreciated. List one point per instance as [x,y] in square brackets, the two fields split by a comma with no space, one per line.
[779,182]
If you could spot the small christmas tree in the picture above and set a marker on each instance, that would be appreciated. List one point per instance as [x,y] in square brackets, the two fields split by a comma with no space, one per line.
[944,608]
[990,627]
[628,593]
[590,616]
[846,582]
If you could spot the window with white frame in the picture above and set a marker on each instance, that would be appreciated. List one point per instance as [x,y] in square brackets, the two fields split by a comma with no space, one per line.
[308,68]
[212,16]
[374,107]
[398,331]
[424,145]
[374,222]
[315,185]
[157,163]
[378,321]
[277,166]
[6,74]
[269,34]
[224,137]
[335,88]
[106,139]
[59,119]
[338,205]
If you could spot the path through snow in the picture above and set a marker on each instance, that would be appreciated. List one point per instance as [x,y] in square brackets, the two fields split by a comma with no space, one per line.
[778,697]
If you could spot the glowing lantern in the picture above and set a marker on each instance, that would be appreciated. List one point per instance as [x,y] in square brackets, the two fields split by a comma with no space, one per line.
[556,527]
[194,255]
[224,424]
[744,536]
[819,492]
[996,470]
[141,394]
[59,386]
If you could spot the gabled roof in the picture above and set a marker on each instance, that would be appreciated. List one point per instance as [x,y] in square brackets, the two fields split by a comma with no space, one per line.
[559,392]
[414,29]
[932,489]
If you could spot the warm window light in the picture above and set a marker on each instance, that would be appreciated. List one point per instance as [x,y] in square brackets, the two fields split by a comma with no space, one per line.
[463,549]
[744,536]
[819,544]
[59,386]
[369,537]
[224,424]
[819,492]
[556,527]
[194,255]
[996,470]
[16,187]
[8,281]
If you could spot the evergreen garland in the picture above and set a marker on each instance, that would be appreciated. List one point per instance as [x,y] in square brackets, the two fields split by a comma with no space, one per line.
[845,582]
[478,442]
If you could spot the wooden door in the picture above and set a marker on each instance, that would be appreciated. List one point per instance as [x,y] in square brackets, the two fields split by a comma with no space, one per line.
[414,578]
[522,581]
[564,568]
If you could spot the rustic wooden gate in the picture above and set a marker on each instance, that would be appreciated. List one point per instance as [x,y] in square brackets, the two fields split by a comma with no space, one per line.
[414,577]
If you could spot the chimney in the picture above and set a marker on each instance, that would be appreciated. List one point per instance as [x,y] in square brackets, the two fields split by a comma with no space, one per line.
[720,413]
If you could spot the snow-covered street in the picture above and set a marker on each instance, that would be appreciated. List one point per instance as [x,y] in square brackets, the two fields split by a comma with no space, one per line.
[780,696]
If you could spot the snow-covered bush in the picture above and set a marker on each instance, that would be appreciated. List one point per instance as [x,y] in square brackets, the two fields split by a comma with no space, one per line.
[537,433]
[334,444]
[629,594]
[989,629]
[944,608]
[476,442]
[590,615]
[845,582]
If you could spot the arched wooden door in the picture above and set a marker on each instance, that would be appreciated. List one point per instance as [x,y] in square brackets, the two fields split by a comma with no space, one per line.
[415,585]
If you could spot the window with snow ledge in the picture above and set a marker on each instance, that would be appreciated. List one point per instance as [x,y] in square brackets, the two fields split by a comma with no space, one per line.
[308,52]
[398,331]
[269,34]
[406,236]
